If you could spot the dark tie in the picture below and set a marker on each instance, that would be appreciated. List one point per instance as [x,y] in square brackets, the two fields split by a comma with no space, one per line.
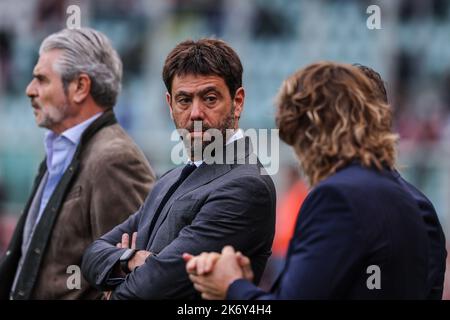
[187,170]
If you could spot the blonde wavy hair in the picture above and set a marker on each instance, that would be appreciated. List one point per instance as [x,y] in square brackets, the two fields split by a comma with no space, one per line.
[332,114]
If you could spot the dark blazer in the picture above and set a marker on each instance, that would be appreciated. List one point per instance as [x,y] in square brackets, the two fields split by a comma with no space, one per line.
[356,218]
[105,183]
[217,204]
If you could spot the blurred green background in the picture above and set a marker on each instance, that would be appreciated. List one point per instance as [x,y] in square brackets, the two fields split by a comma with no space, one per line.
[273,38]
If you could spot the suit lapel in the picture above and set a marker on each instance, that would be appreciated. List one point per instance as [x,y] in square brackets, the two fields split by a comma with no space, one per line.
[33,212]
[204,174]
[201,176]
[149,213]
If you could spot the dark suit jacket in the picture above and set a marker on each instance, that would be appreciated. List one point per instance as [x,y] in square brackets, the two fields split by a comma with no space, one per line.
[356,218]
[105,183]
[218,204]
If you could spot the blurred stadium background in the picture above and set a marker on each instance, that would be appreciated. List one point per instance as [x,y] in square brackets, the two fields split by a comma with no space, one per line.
[273,39]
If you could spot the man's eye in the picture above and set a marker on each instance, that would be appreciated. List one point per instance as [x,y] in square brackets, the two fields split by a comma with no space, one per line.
[42,79]
[211,99]
[184,101]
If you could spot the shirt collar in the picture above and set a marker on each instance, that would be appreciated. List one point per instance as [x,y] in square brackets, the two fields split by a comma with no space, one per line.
[74,134]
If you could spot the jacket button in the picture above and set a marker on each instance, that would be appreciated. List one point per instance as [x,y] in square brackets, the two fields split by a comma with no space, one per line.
[37,251]
[21,293]
[8,252]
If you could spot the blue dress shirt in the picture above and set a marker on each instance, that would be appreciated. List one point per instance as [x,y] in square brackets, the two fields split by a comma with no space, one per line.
[60,149]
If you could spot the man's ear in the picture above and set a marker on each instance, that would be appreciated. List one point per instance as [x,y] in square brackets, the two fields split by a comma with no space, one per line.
[238,101]
[80,88]
[169,103]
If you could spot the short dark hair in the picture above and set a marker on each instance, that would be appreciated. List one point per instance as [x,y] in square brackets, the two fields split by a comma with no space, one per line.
[204,57]
[376,79]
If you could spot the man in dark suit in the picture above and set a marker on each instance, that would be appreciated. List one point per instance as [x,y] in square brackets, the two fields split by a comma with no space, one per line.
[201,206]
[94,175]
[363,232]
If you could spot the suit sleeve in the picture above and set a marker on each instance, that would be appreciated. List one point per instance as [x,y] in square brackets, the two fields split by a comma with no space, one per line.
[438,253]
[119,188]
[240,213]
[324,253]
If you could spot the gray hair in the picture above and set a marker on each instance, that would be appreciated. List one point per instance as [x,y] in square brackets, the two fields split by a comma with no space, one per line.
[87,51]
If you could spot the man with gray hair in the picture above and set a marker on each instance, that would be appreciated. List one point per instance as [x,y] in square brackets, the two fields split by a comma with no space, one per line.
[93,177]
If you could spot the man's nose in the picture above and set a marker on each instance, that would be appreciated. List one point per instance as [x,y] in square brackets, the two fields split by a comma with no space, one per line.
[31,89]
[197,110]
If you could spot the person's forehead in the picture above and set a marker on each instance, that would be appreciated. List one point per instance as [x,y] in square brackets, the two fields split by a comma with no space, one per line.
[46,61]
[194,82]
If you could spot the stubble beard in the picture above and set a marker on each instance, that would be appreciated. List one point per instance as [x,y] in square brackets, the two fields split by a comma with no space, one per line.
[51,115]
[195,144]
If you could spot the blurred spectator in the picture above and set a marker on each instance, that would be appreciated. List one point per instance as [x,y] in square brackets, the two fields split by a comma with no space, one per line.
[427,138]
[114,10]
[50,16]
[5,60]
[419,9]
[212,11]
[440,9]
[423,129]
[270,23]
